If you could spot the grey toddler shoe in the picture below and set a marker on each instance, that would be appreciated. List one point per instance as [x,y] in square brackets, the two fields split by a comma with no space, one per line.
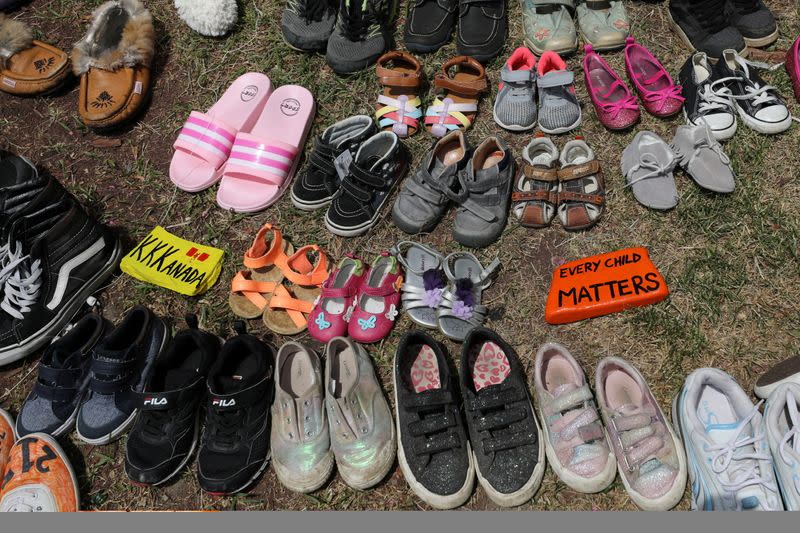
[307,24]
[360,36]
[300,439]
[425,196]
[647,164]
[485,192]
[701,155]
[559,110]
[361,425]
[515,104]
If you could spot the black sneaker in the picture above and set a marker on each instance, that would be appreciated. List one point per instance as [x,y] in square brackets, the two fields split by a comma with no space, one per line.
[234,449]
[701,104]
[166,430]
[50,277]
[361,34]
[482,28]
[506,439]
[122,366]
[705,26]
[63,378]
[318,182]
[20,183]
[759,105]
[379,164]
[755,22]
[429,24]
[432,445]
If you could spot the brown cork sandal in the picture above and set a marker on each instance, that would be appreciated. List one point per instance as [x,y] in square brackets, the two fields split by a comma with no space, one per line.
[398,108]
[290,304]
[535,195]
[28,67]
[265,260]
[581,188]
[462,80]
[113,63]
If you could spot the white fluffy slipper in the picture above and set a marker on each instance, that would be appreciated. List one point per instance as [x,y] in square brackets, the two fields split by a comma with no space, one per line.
[208,17]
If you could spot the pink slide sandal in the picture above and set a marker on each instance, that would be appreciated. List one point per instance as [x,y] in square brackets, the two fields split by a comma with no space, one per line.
[205,142]
[261,167]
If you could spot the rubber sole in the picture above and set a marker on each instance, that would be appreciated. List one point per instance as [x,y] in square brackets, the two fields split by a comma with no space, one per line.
[249,481]
[567,129]
[762,41]
[66,314]
[562,51]
[767,128]
[512,128]
[309,206]
[312,482]
[719,135]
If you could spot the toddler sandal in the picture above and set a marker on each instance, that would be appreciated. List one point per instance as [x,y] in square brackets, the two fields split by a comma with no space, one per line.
[648,164]
[378,301]
[581,188]
[28,67]
[462,79]
[205,142]
[288,308]
[264,260]
[535,195]
[113,63]
[461,309]
[334,307]
[425,281]
[398,108]
[660,96]
[263,161]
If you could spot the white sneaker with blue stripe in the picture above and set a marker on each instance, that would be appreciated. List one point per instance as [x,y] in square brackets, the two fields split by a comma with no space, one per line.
[730,465]
[782,420]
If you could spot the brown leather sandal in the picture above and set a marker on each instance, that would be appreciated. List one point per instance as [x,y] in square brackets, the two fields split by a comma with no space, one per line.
[535,193]
[113,63]
[462,79]
[581,188]
[28,67]
[398,108]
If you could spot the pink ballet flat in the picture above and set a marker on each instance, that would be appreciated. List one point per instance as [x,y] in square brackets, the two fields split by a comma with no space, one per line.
[613,102]
[659,94]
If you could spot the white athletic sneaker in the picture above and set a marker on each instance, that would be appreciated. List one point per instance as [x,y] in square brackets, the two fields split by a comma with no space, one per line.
[782,420]
[730,465]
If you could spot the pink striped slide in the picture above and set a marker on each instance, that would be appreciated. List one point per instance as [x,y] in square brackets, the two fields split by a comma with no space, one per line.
[262,162]
[205,142]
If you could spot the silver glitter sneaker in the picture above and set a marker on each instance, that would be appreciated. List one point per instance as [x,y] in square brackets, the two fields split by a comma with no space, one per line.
[300,442]
[361,426]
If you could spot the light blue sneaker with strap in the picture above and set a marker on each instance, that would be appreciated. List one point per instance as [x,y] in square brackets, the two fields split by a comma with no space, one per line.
[548,25]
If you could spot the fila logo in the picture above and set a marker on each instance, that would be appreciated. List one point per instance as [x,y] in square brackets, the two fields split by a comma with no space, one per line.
[221,402]
[155,401]
[194,253]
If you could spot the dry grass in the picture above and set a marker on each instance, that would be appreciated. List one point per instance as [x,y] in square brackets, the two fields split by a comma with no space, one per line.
[731,262]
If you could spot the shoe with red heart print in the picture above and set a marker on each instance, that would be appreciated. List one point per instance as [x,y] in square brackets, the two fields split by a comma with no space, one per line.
[334,307]
[378,301]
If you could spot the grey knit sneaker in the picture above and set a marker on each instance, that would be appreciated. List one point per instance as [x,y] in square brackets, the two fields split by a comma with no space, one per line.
[307,24]
[559,110]
[515,105]
[361,34]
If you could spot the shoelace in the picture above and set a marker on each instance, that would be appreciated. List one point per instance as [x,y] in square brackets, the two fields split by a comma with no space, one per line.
[746,475]
[711,101]
[154,423]
[21,284]
[649,162]
[310,10]
[225,425]
[357,17]
[790,453]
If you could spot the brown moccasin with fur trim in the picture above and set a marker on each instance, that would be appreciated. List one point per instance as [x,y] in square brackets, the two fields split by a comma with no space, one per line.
[113,62]
[28,67]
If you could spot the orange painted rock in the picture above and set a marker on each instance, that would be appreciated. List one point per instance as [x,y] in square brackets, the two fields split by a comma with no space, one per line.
[603,284]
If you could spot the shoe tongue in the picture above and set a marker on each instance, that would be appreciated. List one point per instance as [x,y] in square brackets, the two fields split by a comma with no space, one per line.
[724,433]
[230,384]
[179,378]
[14,171]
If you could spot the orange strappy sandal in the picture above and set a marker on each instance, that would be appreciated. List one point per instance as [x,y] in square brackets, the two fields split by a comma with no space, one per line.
[398,109]
[265,260]
[462,79]
[288,308]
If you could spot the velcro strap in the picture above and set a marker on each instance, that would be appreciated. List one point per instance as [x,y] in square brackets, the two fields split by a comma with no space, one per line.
[54,394]
[107,387]
[495,399]
[438,444]
[539,172]
[366,176]
[516,76]
[556,78]
[428,399]
[386,289]
[568,400]
[158,401]
[322,157]
[573,172]
[567,196]
[431,425]
[507,442]
[499,420]
[592,432]
[236,400]
[401,80]
[339,292]
[461,88]
[56,375]
[355,190]
[112,368]
[627,423]
[568,3]
[598,4]
[533,196]
[429,194]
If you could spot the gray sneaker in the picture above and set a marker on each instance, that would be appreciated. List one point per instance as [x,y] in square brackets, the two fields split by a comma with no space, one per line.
[425,196]
[361,34]
[515,105]
[300,440]
[307,24]
[559,110]
[484,196]
[701,155]
[362,430]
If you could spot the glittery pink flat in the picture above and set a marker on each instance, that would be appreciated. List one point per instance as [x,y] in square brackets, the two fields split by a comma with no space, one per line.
[659,94]
[613,102]
[793,66]
[651,459]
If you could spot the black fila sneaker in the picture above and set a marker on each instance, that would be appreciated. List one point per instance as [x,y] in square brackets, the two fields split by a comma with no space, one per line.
[234,449]
[166,430]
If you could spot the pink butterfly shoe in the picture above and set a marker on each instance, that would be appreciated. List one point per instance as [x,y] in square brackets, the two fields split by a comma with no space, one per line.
[378,301]
[334,307]
[613,102]
[659,94]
